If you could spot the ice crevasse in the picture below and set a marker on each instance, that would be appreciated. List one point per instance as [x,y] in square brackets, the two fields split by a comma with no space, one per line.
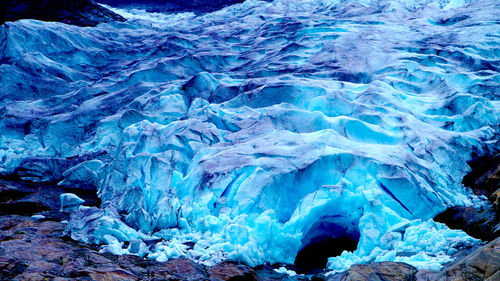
[255,131]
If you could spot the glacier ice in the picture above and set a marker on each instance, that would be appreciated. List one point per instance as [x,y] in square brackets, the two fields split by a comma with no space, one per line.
[253,131]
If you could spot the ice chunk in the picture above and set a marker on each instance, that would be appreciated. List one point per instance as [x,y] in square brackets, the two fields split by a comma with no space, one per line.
[38,217]
[70,202]
[138,247]
[283,270]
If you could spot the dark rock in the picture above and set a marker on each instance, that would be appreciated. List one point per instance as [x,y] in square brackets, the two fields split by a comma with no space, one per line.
[379,271]
[77,12]
[484,179]
[172,5]
[268,273]
[36,250]
[25,198]
[10,267]
[480,223]
[482,264]
[231,271]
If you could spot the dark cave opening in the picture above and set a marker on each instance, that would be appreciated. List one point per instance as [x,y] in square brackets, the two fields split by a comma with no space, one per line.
[325,239]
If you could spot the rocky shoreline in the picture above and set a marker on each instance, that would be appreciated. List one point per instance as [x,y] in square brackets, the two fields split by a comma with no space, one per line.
[33,245]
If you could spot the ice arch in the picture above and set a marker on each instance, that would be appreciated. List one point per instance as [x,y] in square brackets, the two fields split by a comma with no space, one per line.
[328,237]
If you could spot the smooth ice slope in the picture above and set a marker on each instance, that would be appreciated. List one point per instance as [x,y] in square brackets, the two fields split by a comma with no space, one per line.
[256,130]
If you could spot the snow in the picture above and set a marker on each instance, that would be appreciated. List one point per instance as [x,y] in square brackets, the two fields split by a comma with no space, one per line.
[252,130]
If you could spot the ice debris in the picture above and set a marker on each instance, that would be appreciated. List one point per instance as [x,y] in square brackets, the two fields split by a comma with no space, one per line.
[38,217]
[70,202]
[252,132]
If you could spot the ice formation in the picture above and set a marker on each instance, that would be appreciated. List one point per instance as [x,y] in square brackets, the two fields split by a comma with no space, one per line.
[70,202]
[257,130]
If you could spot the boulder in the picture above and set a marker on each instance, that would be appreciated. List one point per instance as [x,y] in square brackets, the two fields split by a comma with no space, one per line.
[231,271]
[379,271]
[478,222]
[484,179]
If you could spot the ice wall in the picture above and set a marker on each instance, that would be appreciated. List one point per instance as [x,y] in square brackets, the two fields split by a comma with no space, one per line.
[252,131]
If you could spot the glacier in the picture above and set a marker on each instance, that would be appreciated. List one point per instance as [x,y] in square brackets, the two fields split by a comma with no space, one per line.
[252,132]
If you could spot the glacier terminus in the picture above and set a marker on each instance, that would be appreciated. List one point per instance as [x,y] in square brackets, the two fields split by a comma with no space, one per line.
[257,131]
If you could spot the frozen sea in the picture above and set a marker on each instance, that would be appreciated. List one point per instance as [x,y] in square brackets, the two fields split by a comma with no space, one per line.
[253,132]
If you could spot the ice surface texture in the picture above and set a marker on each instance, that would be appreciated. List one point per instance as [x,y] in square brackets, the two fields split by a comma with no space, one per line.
[254,130]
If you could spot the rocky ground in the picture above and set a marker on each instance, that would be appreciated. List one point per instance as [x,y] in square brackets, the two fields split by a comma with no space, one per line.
[77,12]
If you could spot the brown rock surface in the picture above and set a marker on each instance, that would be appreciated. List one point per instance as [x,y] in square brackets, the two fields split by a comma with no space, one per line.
[495,200]
[482,264]
[379,271]
[231,271]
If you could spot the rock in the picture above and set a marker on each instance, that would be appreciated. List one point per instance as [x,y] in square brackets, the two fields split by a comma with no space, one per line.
[484,179]
[231,271]
[35,250]
[480,223]
[482,264]
[172,5]
[10,267]
[495,199]
[269,273]
[24,198]
[379,271]
[185,269]
[77,12]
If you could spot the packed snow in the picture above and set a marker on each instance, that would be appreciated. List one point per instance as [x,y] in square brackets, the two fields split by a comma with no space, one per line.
[250,132]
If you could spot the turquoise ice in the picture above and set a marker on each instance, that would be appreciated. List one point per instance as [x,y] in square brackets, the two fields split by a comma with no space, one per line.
[258,129]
